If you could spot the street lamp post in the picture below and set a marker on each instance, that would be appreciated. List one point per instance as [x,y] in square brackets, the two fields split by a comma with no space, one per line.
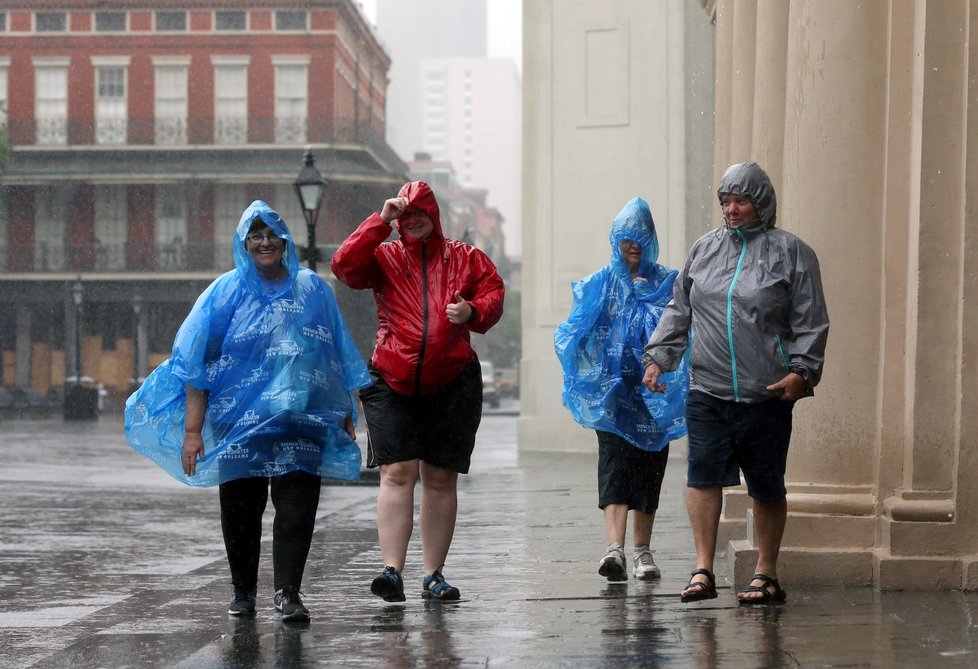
[78,296]
[309,187]
[80,402]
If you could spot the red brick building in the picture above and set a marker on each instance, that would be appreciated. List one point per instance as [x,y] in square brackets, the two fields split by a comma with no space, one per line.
[138,133]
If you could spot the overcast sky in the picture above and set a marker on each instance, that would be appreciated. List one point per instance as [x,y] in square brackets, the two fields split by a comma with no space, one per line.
[505,27]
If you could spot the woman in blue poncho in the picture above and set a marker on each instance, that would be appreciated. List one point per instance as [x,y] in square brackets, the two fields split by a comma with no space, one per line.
[257,394]
[615,310]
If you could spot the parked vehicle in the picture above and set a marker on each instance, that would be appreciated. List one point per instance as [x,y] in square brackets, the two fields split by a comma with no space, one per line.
[490,392]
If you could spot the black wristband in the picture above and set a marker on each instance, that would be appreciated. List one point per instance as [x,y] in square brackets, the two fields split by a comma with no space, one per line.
[473,314]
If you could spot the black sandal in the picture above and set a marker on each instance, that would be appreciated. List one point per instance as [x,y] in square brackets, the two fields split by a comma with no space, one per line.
[703,590]
[776,596]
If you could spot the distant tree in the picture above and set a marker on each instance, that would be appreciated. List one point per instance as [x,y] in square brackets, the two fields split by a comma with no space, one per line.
[5,148]
[504,340]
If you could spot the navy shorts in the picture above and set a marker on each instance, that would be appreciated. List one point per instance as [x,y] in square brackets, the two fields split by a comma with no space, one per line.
[437,427]
[629,475]
[725,436]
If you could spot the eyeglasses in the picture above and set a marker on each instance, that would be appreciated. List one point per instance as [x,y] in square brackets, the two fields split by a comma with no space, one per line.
[258,237]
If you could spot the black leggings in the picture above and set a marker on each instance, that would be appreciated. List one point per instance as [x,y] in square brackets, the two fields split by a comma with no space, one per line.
[295,497]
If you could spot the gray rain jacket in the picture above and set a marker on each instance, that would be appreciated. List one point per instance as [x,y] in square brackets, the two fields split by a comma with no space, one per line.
[749,302]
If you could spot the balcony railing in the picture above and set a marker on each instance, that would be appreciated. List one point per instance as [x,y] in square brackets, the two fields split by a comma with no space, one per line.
[171,131]
[176,256]
[198,131]
[231,130]
[51,131]
[110,131]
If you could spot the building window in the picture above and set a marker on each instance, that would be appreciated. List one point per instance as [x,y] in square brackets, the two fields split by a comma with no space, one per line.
[290,20]
[110,22]
[171,227]
[230,101]
[110,100]
[110,227]
[50,227]
[3,21]
[291,99]
[229,201]
[171,103]
[171,22]
[51,101]
[230,21]
[50,22]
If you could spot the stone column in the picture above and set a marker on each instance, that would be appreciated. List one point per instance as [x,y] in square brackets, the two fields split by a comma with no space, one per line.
[770,72]
[928,499]
[833,155]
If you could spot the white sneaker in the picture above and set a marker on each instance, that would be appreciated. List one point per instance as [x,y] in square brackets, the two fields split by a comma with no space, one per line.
[645,567]
[612,565]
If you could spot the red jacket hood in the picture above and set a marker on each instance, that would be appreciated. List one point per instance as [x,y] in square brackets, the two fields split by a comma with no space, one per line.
[420,197]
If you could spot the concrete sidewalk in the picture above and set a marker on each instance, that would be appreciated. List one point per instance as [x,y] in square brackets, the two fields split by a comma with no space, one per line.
[105,562]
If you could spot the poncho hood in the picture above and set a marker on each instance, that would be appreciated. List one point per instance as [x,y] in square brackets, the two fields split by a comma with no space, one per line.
[750,180]
[420,198]
[634,223]
[242,260]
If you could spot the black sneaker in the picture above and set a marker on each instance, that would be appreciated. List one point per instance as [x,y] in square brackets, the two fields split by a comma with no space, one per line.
[242,601]
[389,585]
[290,605]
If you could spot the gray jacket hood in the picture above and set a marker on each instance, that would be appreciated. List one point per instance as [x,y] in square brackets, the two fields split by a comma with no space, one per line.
[750,180]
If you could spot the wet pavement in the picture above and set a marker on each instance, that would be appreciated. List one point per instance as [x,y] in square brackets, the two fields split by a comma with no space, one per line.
[107,562]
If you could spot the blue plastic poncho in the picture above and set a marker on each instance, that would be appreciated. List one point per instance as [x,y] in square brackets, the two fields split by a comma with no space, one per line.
[278,364]
[600,344]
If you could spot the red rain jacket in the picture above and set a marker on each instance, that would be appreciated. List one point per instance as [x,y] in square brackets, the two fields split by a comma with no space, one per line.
[417,349]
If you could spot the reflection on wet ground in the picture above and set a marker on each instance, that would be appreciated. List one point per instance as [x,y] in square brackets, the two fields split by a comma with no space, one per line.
[106,562]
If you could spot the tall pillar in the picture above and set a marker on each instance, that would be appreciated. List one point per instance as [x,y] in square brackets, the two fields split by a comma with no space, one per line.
[743,66]
[927,538]
[723,94]
[879,159]
[770,73]
[834,148]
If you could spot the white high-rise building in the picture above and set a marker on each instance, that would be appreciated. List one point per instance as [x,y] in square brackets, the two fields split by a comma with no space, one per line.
[470,110]
[448,99]
[413,30]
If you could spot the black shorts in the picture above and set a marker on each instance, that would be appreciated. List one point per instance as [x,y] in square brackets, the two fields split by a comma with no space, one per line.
[629,475]
[437,427]
[725,436]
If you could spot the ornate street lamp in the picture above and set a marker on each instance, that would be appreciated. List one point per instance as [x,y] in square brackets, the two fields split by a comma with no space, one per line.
[309,188]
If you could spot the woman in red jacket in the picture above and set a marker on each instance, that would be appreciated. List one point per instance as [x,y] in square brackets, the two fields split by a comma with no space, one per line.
[425,404]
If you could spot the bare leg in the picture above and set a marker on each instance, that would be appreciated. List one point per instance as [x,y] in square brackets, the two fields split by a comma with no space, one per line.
[704,506]
[615,519]
[395,510]
[439,506]
[642,528]
[769,521]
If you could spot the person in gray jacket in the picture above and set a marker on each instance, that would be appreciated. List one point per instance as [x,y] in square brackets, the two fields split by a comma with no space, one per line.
[749,303]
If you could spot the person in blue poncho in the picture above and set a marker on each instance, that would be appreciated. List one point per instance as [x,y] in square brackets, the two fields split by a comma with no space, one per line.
[614,312]
[257,394]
